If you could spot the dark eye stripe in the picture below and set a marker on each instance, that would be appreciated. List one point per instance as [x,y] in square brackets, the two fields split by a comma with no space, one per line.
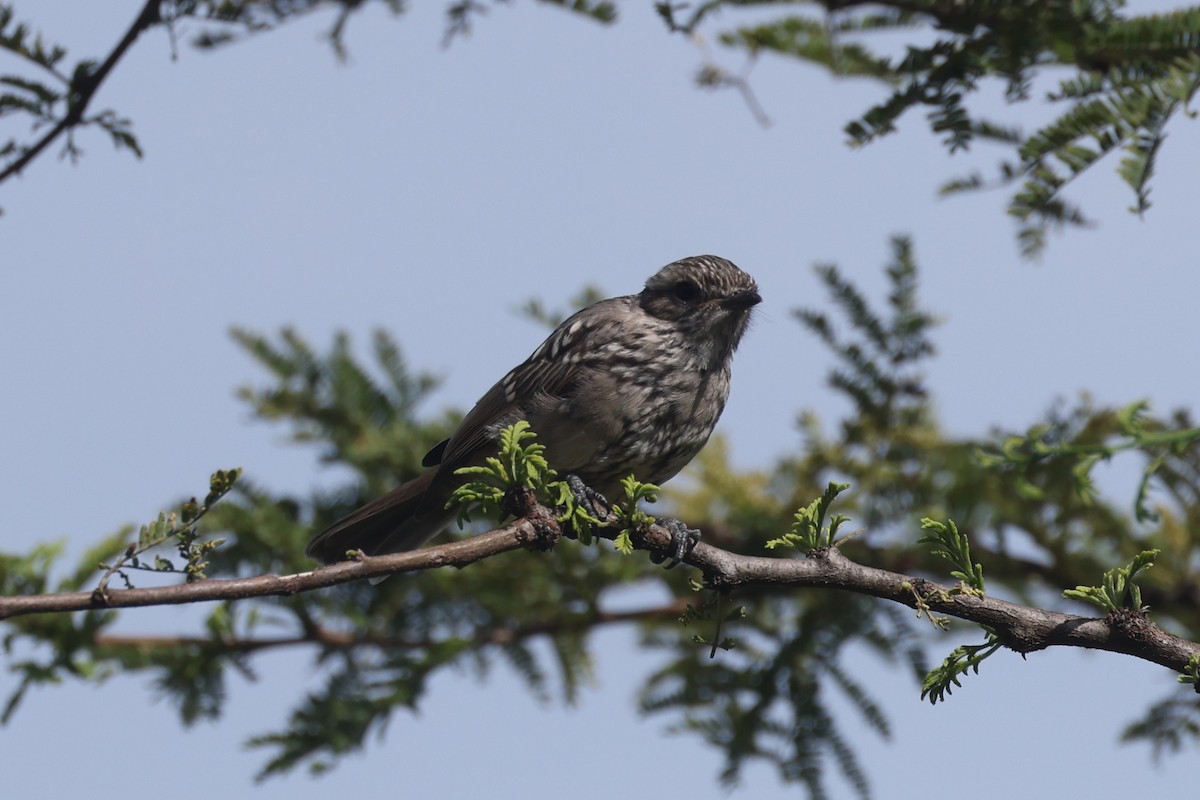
[685,291]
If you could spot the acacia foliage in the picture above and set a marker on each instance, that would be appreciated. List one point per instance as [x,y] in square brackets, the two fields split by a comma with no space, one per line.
[1116,79]
[768,697]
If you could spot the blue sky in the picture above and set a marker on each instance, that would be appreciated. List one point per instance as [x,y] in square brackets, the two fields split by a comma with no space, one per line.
[430,191]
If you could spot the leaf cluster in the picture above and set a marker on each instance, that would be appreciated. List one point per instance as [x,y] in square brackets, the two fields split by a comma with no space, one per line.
[52,99]
[46,650]
[49,95]
[183,528]
[516,465]
[1128,76]
[809,531]
[630,516]
[716,610]
[520,464]
[1118,589]
[964,659]
[945,540]
[1163,444]
[772,698]
[1169,726]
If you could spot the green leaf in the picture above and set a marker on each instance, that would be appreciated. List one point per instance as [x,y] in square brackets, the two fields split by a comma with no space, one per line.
[951,544]
[519,463]
[1117,589]
[623,543]
[941,680]
[1191,673]
[809,531]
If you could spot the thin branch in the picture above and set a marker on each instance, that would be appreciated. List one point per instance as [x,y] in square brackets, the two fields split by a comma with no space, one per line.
[1021,628]
[81,94]
[326,637]
[519,534]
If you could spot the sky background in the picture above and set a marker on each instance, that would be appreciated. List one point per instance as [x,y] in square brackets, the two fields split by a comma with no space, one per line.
[430,191]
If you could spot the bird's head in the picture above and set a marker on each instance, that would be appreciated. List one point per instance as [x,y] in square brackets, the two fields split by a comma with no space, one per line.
[706,296]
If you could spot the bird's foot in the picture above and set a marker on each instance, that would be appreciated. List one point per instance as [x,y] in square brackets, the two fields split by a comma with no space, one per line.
[589,499]
[683,539]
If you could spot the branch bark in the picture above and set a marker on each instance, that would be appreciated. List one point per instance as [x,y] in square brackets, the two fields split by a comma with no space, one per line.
[521,533]
[1021,628]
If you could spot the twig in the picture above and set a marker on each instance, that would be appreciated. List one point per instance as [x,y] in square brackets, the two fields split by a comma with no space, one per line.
[79,96]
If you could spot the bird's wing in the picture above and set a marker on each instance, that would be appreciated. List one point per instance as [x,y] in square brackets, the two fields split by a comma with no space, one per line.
[552,370]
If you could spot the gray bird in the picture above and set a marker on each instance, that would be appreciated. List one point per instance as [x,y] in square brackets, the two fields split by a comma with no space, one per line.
[631,384]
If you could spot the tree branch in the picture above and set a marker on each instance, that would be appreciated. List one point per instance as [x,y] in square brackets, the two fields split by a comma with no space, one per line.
[82,90]
[522,533]
[330,638]
[1021,628]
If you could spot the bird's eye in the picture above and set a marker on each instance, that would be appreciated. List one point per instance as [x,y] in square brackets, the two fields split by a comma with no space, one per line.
[685,291]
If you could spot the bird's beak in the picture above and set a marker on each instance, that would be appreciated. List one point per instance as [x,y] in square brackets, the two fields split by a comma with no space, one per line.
[742,300]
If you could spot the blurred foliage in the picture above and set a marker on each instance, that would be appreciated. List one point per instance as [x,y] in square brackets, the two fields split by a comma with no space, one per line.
[1119,78]
[786,656]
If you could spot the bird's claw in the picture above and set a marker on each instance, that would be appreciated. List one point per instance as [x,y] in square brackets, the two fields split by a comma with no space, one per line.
[592,501]
[683,540]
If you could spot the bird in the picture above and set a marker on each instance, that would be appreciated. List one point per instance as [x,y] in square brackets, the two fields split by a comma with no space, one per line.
[628,385]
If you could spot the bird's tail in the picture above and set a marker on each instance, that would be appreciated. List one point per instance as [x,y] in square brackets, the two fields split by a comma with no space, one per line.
[403,519]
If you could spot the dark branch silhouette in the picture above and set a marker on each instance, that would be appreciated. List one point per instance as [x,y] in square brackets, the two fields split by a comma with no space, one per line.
[330,638]
[84,88]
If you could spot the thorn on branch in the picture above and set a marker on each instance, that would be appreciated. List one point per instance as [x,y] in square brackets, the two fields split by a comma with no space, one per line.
[100,597]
